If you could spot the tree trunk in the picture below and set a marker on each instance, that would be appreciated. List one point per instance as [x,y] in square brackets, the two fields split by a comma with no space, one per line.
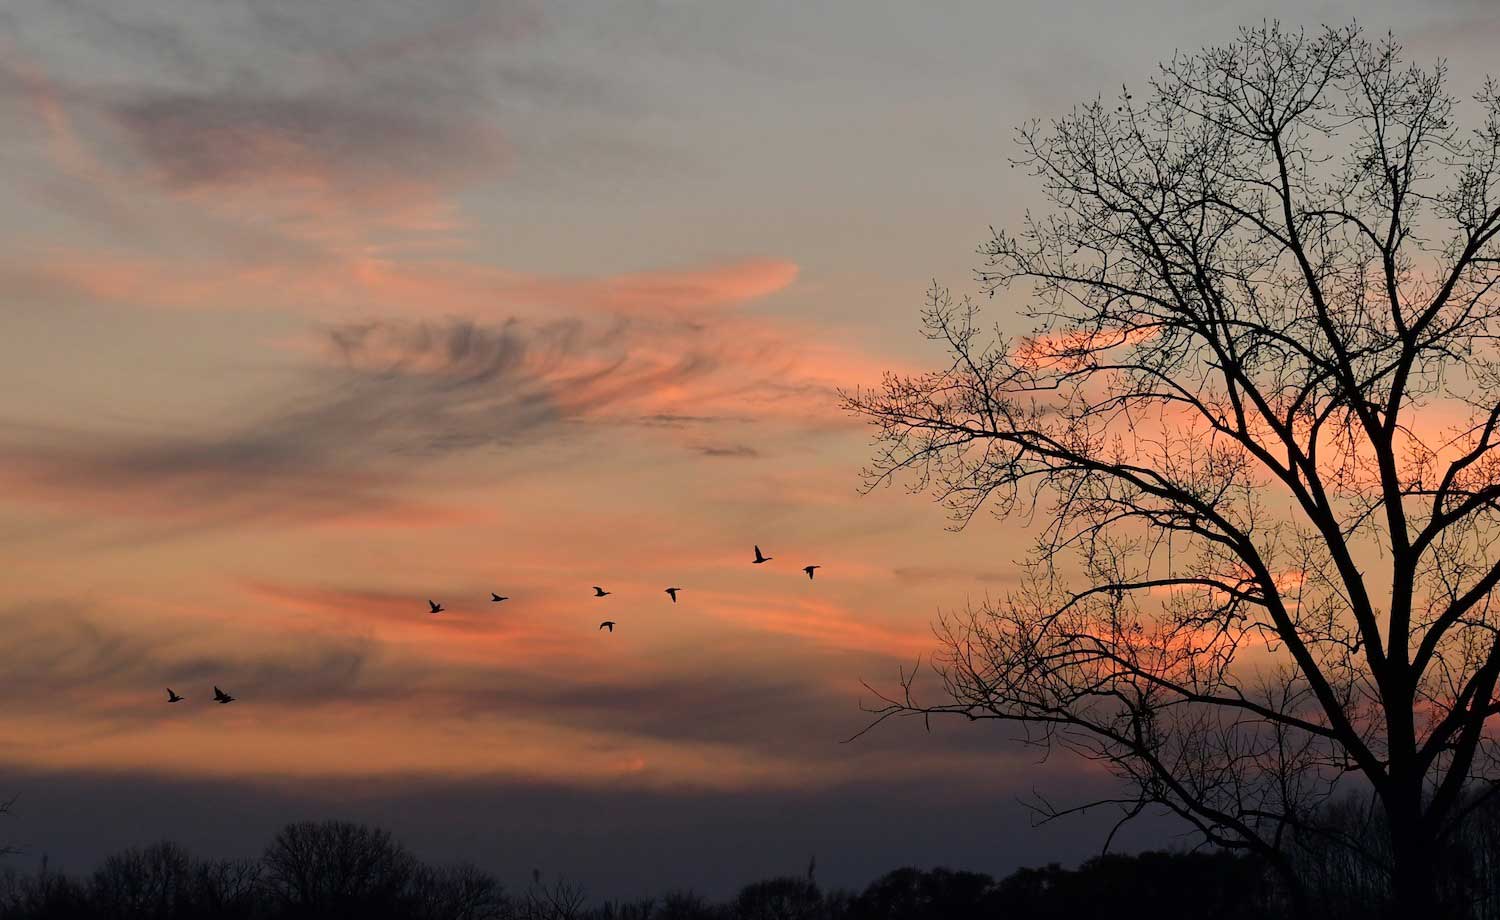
[1416,893]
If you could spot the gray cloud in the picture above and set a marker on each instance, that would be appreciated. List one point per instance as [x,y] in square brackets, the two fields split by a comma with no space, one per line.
[226,138]
[354,103]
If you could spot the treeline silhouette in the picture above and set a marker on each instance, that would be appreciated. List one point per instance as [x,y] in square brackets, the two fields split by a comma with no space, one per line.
[337,869]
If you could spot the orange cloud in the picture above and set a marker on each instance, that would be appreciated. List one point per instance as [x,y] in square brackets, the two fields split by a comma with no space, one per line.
[822,623]
[1064,351]
[366,283]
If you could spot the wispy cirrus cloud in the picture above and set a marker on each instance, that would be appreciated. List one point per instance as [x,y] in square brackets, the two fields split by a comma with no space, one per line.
[378,399]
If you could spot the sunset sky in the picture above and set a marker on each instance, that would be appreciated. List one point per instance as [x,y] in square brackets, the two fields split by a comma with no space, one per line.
[310,312]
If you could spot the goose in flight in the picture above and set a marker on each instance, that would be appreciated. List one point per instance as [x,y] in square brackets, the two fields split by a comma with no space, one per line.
[673,593]
[609,624]
[172,697]
[809,570]
[600,592]
[221,697]
[496,598]
[759,558]
[436,607]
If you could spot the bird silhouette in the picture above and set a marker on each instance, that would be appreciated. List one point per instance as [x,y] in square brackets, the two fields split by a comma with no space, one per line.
[600,592]
[221,697]
[496,598]
[173,697]
[673,593]
[436,607]
[610,624]
[809,570]
[759,558]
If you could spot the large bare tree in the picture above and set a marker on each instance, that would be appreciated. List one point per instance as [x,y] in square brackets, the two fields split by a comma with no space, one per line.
[1256,418]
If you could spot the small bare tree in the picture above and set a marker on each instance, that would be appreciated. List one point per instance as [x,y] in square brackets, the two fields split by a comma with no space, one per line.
[1258,417]
[560,900]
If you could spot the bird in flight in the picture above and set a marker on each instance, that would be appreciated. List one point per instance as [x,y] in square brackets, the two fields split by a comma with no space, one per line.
[221,697]
[759,558]
[436,607]
[496,598]
[673,593]
[809,570]
[610,624]
[173,697]
[600,592]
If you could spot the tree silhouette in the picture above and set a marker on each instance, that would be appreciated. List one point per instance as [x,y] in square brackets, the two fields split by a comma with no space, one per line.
[339,869]
[937,894]
[1258,415]
[785,898]
[153,883]
[226,889]
[339,872]
[558,900]
[462,892]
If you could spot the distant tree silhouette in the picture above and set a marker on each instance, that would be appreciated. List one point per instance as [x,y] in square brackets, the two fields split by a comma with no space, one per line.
[559,899]
[685,905]
[1158,886]
[937,894]
[228,889]
[462,892]
[786,898]
[46,895]
[339,869]
[1258,414]
[150,883]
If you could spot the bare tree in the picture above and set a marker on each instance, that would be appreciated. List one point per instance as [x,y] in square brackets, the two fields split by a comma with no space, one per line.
[458,892]
[226,888]
[152,882]
[1257,418]
[561,900]
[338,869]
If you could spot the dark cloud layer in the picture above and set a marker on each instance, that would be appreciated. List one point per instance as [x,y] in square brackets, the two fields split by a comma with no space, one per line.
[617,843]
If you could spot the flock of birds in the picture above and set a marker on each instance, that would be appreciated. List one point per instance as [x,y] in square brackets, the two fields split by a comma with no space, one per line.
[221,697]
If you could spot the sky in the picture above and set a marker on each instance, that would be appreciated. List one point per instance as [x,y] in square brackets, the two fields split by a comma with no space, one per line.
[312,312]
